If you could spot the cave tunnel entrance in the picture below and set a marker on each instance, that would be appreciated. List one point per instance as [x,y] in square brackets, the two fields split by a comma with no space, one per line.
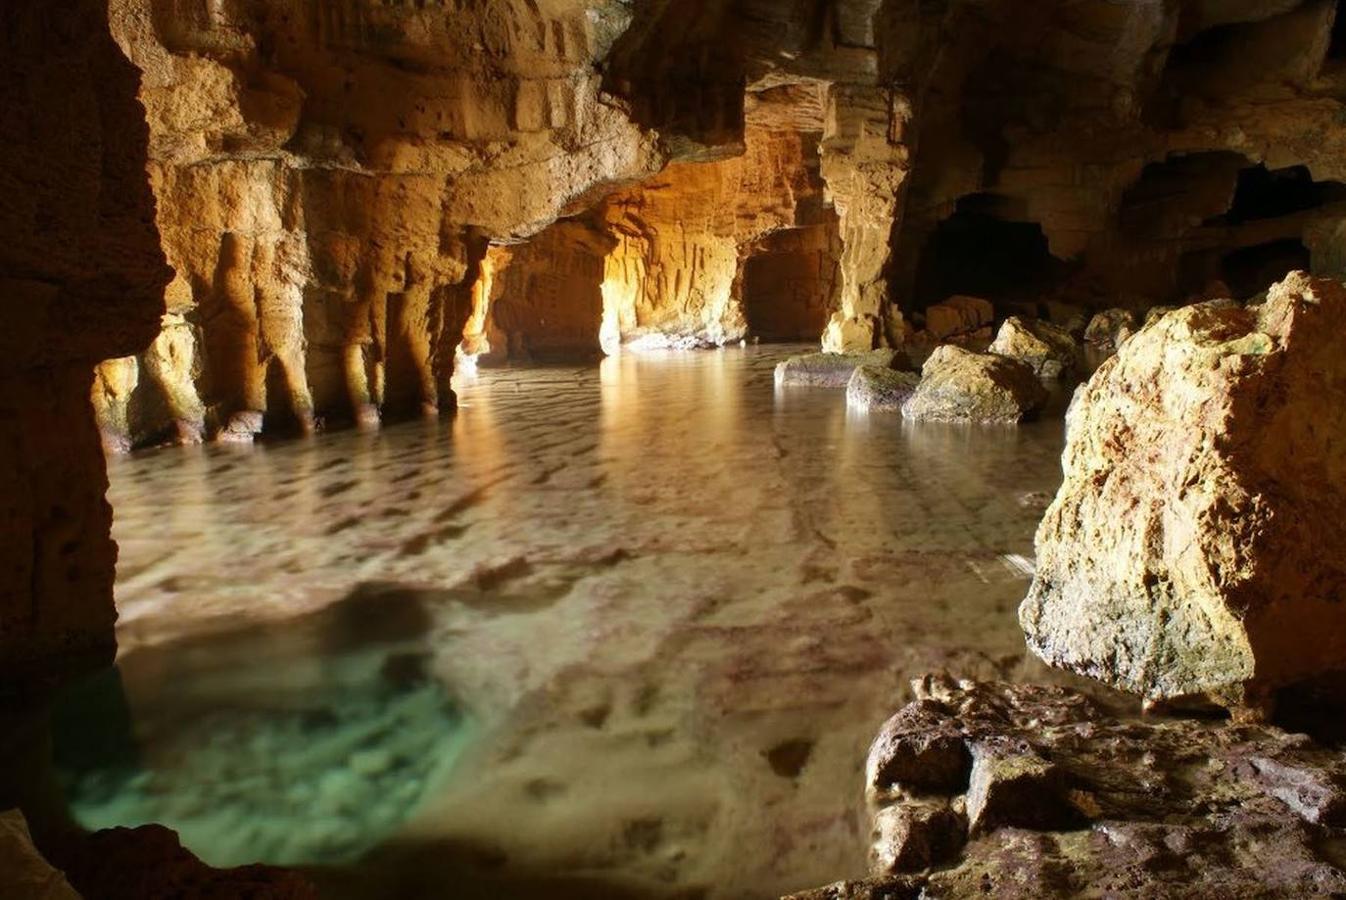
[1250,270]
[981,252]
[787,283]
[1264,193]
[1336,48]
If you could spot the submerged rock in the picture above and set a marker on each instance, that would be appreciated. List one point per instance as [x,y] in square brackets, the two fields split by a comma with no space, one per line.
[1049,349]
[958,385]
[1195,545]
[1109,328]
[880,389]
[1062,800]
[833,369]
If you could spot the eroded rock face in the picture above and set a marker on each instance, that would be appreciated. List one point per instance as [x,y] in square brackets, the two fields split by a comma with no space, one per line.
[1194,546]
[958,385]
[960,316]
[328,180]
[82,277]
[1048,348]
[1031,791]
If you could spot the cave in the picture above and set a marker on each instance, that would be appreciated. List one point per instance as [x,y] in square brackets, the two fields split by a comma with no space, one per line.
[976,252]
[631,450]
[1251,270]
[788,283]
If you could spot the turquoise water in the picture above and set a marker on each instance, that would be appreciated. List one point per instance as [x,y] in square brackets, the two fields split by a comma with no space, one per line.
[615,630]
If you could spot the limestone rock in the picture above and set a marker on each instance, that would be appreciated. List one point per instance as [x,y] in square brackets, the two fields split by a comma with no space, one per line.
[909,837]
[1086,804]
[1050,350]
[150,863]
[957,316]
[23,871]
[1109,328]
[874,388]
[1157,312]
[1193,548]
[958,385]
[833,369]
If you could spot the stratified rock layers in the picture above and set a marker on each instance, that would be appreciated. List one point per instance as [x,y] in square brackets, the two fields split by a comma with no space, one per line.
[1195,545]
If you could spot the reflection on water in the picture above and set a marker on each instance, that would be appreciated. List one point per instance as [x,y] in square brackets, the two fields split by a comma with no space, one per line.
[612,631]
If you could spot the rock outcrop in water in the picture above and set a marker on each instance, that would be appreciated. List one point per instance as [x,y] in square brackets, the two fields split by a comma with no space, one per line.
[1015,791]
[878,389]
[834,370]
[958,385]
[1048,348]
[1194,548]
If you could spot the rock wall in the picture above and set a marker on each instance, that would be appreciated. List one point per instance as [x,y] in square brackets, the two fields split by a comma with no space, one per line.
[1133,154]
[684,236]
[82,275]
[328,179]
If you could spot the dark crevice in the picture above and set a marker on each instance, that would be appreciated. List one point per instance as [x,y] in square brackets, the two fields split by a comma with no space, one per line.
[978,252]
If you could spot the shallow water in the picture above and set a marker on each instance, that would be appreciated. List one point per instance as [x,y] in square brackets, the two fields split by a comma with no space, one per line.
[618,630]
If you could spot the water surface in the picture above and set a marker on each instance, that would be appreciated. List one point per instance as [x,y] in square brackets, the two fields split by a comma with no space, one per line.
[617,630]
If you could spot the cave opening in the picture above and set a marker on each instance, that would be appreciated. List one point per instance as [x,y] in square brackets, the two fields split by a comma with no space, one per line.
[979,251]
[1248,271]
[1336,48]
[1263,193]
[787,283]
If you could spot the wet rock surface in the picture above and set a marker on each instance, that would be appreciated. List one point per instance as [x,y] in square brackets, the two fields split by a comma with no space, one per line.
[833,369]
[1109,328]
[1193,547]
[1049,349]
[1033,791]
[958,385]
[873,388]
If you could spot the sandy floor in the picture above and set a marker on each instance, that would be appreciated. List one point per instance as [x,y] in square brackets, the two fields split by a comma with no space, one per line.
[612,631]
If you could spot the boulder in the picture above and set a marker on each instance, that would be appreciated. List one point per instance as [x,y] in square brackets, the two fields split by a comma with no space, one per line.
[1157,312]
[1049,349]
[1109,328]
[1065,800]
[833,369]
[959,315]
[958,385]
[24,873]
[1194,548]
[873,388]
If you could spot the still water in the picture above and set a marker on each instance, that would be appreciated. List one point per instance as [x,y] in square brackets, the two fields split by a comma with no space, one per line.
[619,630]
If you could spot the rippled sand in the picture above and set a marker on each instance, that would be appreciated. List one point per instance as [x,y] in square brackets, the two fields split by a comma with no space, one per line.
[660,606]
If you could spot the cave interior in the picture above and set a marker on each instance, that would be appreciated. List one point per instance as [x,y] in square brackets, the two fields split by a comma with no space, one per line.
[505,448]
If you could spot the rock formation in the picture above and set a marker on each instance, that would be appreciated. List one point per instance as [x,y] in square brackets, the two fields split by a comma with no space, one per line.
[83,276]
[1194,546]
[1048,348]
[958,385]
[1107,329]
[834,370]
[1025,791]
[878,389]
